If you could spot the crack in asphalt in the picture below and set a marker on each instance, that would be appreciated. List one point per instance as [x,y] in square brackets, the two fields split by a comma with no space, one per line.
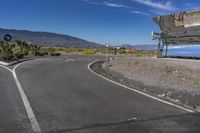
[128,121]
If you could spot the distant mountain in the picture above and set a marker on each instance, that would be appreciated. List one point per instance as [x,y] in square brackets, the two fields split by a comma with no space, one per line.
[48,39]
[140,47]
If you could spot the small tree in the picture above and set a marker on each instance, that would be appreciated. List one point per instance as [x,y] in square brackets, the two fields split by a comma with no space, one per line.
[26,48]
[51,50]
[23,47]
[35,49]
[6,50]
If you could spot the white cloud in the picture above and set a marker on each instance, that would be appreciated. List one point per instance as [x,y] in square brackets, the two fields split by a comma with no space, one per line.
[157,5]
[115,5]
[109,4]
[160,12]
[140,13]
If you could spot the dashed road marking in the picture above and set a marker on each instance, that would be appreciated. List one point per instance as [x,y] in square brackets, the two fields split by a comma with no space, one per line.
[69,60]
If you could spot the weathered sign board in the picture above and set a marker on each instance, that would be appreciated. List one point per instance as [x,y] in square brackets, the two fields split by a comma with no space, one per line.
[180,28]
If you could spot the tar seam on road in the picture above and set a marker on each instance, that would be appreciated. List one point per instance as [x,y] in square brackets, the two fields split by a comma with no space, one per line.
[137,91]
[33,121]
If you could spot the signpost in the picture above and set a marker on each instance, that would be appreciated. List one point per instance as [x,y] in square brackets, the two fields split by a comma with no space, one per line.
[7,37]
[107,46]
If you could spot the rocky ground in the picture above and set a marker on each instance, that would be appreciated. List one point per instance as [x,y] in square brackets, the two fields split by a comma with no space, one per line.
[177,80]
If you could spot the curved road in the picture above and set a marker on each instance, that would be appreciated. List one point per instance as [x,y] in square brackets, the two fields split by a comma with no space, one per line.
[66,97]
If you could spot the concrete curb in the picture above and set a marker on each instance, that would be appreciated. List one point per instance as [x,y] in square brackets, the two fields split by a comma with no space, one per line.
[8,64]
[14,62]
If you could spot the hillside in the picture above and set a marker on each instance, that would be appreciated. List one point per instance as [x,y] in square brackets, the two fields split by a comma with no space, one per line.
[48,39]
[140,47]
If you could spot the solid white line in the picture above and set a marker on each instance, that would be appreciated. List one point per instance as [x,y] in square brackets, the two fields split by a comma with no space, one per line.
[6,68]
[139,92]
[34,124]
[33,121]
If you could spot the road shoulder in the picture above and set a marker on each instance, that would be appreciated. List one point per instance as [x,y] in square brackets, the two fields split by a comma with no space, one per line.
[116,78]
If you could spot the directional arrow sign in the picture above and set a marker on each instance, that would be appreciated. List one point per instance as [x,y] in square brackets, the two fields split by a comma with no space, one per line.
[7,37]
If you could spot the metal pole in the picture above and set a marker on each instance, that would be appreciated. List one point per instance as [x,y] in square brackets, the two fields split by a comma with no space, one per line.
[163,43]
[107,55]
[166,50]
[6,51]
[158,47]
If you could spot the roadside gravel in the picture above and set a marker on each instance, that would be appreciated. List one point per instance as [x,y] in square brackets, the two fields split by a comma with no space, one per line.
[177,80]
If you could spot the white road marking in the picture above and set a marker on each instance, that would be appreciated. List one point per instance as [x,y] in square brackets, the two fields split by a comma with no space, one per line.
[139,92]
[29,110]
[6,68]
[68,60]
[33,121]
[132,119]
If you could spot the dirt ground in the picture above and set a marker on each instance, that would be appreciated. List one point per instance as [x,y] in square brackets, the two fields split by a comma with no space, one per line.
[177,80]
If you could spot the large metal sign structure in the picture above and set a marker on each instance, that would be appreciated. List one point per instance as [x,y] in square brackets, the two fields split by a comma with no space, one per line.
[178,28]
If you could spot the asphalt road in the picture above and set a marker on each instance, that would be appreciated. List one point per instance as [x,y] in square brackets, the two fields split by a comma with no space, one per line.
[13,117]
[66,97]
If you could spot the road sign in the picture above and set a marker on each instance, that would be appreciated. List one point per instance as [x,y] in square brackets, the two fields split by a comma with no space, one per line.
[7,37]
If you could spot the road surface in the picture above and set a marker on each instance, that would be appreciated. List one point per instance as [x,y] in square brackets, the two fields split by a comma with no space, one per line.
[66,96]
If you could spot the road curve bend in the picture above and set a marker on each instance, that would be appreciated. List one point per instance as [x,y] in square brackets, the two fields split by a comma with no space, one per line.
[66,97]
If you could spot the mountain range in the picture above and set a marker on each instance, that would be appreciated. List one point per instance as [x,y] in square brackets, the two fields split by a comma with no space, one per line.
[140,47]
[48,39]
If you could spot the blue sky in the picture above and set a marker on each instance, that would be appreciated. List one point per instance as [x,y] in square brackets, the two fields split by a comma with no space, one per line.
[102,21]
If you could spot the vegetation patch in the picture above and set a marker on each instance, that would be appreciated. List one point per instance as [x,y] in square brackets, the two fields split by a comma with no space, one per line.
[19,49]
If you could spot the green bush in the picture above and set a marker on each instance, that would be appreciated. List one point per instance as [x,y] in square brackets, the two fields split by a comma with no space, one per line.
[51,50]
[6,51]
[39,54]
[122,51]
[69,50]
[4,57]
[26,52]
[60,49]
[88,51]
[138,54]
[45,53]
[55,54]
[19,55]
[44,50]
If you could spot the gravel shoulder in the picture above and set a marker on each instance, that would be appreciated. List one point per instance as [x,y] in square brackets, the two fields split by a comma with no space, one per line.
[176,80]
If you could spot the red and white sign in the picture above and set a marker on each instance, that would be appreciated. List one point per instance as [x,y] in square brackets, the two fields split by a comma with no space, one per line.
[107,45]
